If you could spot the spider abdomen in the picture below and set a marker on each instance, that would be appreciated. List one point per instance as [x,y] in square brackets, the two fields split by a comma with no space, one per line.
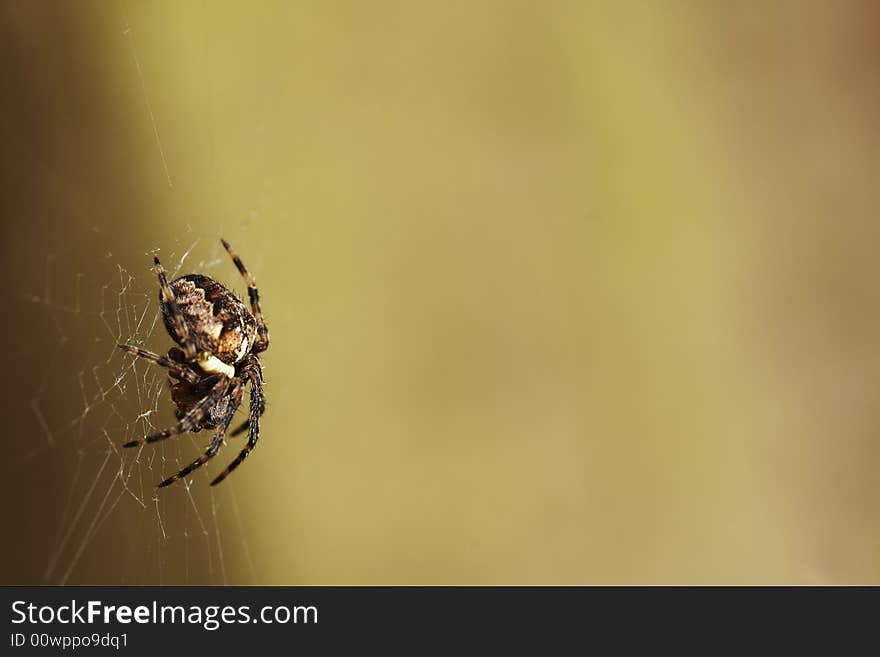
[216,320]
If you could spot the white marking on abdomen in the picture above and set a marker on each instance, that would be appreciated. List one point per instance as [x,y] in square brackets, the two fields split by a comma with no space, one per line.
[210,364]
[243,351]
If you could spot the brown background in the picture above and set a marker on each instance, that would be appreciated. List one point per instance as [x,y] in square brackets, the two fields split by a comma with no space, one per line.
[559,292]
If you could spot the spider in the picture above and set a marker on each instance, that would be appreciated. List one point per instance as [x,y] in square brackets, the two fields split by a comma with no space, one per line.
[218,340]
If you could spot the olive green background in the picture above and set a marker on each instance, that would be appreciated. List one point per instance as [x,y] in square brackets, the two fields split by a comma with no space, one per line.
[559,292]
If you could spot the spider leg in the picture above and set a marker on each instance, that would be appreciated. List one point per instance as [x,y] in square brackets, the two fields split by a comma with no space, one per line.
[216,441]
[257,406]
[241,428]
[177,320]
[262,342]
[178,370]
[192,417]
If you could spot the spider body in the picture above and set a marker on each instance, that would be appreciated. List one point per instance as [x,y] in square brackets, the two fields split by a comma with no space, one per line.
[218,340]
[186,395]
[218,322]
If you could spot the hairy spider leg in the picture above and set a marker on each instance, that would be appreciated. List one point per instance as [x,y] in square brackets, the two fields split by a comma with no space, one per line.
[178,370]
[255,376]
[235,398]
[177,320]
[262,342]
[244,426]
[192,417]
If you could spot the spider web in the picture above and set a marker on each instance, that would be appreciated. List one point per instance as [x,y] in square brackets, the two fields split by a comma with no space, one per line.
[97,513]
[113,524]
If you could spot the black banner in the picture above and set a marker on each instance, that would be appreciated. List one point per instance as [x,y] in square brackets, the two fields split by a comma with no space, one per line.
[156,620]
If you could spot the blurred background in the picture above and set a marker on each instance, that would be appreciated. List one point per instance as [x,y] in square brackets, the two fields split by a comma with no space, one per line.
[559,292]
